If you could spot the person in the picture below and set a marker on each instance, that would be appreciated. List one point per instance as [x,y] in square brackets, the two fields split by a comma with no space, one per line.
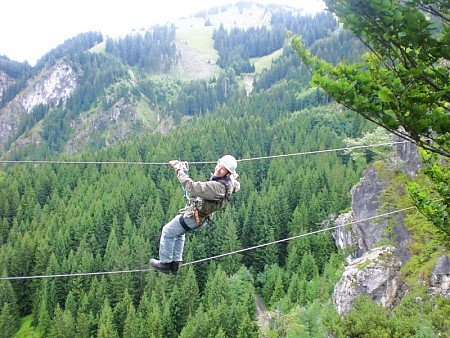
[205,198]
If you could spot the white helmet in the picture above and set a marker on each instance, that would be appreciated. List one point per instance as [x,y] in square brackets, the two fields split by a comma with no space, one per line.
[229,162]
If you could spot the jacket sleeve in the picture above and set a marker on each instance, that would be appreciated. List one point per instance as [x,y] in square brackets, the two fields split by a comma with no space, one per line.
[208,190]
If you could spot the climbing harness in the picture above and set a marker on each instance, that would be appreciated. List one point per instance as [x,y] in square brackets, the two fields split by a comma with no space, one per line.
[190,201]
[202,209]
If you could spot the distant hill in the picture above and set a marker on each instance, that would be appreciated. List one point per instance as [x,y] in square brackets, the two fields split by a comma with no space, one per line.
[94,91]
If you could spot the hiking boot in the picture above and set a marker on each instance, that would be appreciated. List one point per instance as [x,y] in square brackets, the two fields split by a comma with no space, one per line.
[163,267]
[174,267]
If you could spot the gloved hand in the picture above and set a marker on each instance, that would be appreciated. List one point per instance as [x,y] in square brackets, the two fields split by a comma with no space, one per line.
[178,165]
[235,181]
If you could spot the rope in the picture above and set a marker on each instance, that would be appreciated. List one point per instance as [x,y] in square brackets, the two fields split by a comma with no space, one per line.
[202,162]
[208,258]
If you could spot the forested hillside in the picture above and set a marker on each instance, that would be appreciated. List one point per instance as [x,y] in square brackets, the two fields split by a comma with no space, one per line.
[115,88]
[85,189]
[65,218]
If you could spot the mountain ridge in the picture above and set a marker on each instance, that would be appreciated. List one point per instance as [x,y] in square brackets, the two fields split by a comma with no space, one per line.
[196,59]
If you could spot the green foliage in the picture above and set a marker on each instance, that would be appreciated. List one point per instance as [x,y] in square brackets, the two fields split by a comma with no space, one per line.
[413,317]
[106,327]
[237,46]
[26,329]
[402,85]
[433,198]
[8,322]
[13,68]
[63,324]
[404,81]
[153,51]
[73,48]
[378,137]
[84,218]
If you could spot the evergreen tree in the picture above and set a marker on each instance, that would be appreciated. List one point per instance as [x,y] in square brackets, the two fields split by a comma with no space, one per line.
[63,324]
[8,321]
[44,319]
[8,297]
[368,319]
[106,327]
[133,324]
[247,328]
[189,296]
[86,315]
[121,312]
[401,85]
[155,323]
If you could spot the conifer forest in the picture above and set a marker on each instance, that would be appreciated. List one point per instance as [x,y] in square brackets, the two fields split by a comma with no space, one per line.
[78,226]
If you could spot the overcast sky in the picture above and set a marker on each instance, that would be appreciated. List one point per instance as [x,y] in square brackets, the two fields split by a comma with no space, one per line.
[31,28]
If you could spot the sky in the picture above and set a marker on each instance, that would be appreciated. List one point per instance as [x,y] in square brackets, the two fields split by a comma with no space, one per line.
[31,28]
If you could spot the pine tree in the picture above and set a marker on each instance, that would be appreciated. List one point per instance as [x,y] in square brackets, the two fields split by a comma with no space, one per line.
[247,328]
[8,297]
[121,311]
[106,327]
[293,292]
[85,318]
[154,323]
[278,291]
[83,325]
[308,267]
[44,320]
[9,323]
[63,324]
[216,289]
[229,242]
[133,324]
[189,295]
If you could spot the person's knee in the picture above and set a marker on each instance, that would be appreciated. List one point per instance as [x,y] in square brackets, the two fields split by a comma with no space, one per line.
[170,231]
[166,232]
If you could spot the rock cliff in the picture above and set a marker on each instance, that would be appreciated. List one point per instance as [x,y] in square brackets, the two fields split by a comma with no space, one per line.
[49,87]
[5,82]
[379,246]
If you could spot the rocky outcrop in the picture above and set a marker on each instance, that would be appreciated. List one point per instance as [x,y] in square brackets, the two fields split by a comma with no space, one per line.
[373,268]
[365,230]
[5,82]
[376,274]
[440,277]
[408,154]
[51,86]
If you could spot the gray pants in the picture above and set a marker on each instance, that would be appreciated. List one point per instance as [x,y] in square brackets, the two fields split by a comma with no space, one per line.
[171,243]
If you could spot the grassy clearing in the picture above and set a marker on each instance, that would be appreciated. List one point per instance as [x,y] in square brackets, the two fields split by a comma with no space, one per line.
[266,61]
[26,330]
[200,39]
[98,48]
[146,114]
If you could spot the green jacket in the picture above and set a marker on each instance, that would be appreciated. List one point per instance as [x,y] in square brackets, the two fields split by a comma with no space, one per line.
[210,196]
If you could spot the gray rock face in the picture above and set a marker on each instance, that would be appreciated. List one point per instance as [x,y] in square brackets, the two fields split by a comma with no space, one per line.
[365,204]
[55,84]
[376,274]
[5,82]
[369,231]
[440,277]
[408,154]
[374,269]
[50,86]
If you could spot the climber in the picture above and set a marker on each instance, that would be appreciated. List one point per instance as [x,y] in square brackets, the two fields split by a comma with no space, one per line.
[204,199]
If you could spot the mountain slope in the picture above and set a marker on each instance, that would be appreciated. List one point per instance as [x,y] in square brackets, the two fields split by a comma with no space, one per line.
[73,100]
